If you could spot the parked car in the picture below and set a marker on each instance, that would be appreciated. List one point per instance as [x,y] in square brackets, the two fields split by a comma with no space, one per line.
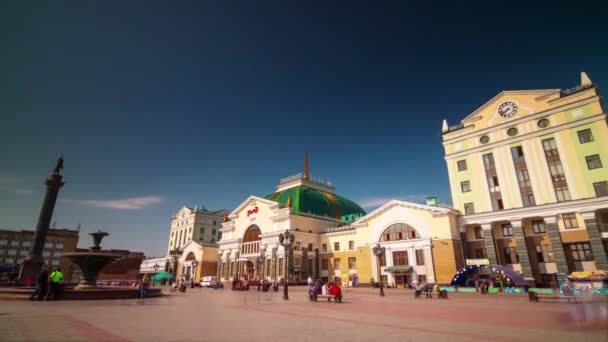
[209,281]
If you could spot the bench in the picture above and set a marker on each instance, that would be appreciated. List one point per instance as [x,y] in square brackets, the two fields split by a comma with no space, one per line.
[429,294]
[538,297]
[337,299]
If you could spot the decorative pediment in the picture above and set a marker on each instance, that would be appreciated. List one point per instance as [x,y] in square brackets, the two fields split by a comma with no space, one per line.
[252,201]
[509,105]
[435,211]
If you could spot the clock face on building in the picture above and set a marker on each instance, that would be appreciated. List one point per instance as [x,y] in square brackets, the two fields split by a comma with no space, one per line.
[507,109]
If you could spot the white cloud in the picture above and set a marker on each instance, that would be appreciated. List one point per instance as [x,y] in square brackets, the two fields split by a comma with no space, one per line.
[374,202]
[134,203]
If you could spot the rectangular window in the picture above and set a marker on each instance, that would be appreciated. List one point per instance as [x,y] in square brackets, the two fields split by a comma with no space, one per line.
[544,253]
[400,258]
[469,209]
[581,251]
[337,264]
[518,154]
[523,178]
[585,136]
[281,268]
[324,247]
[511,256]
[478,233]
[570,220]
[419,257]
[202,231]
[556,170]
[507,229]
[462,165]
[336,246]
[538,227]
[383,260]
[352,263]
[351,245]
[601,188]
[480,253]
[324,264]
[593,162]
[562,193]
[465,186]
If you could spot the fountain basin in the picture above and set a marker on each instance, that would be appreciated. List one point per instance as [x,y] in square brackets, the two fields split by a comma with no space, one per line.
[90,264]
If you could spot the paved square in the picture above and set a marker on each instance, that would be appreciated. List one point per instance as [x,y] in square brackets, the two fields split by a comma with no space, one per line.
[212,315]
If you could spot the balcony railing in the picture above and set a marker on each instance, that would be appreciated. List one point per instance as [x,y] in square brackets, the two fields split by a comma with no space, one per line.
[250,248]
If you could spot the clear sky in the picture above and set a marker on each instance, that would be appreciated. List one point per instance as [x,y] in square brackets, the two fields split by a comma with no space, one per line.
[160,104]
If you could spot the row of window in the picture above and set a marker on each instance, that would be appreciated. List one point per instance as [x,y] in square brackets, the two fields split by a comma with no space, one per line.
[544,253]
[584,136]
[538,226]
[352,264]
[351,246]
[555,169]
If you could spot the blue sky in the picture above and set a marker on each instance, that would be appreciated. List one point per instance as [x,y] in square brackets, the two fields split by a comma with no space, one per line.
[156,105]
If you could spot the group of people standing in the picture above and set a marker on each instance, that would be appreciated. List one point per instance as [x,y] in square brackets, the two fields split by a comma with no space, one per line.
[48,284]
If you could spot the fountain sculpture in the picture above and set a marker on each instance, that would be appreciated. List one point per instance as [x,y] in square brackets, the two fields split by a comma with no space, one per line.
[92,262]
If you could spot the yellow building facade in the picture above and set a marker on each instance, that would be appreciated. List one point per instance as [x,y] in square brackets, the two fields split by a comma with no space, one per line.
[334,238]
[527,171]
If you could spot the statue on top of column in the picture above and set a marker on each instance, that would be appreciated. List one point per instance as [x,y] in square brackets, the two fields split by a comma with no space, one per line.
[58,166]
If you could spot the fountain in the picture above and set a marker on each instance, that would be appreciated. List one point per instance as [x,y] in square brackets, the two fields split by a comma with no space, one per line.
[92,262]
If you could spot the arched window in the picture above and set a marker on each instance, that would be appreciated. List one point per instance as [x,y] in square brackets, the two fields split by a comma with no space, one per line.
[399,231]
[252,234]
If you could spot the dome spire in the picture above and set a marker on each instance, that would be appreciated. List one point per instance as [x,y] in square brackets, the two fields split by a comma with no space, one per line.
[306,174]
[289,202]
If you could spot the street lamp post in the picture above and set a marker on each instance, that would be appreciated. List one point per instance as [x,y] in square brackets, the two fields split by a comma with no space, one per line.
[175,254]
[193,275]
[286,240]
[155,271]
[262,259]
[379,252]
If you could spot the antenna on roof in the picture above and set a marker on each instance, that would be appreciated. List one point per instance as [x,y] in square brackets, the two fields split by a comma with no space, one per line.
[306,173]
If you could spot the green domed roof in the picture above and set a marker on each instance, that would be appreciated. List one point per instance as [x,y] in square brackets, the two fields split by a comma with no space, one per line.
[306,200]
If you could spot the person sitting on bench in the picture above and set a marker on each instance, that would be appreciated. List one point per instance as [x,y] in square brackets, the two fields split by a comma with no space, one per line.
[335,291]
[316,290]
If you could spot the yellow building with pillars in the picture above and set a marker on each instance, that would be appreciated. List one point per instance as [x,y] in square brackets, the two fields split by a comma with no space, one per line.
[527,170]
[334,238]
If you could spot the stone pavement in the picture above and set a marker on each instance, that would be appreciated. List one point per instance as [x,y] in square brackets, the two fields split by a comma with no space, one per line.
[224,315]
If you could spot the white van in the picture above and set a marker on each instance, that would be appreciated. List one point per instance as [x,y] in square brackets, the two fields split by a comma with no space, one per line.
[209,281]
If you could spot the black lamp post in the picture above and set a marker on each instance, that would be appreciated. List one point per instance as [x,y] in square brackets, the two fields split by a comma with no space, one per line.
[379,252]
[175,254]
[194,264]
[286,240]
[262,259]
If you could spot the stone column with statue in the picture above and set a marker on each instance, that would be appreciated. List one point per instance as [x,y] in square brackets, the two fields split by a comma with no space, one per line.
[34,261]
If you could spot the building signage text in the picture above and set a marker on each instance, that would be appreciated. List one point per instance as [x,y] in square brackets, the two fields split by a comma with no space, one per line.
[252,211]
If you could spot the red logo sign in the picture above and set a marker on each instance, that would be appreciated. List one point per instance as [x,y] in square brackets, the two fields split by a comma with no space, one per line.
[252,211]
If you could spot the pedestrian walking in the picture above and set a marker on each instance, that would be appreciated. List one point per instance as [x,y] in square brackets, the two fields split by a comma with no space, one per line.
[143,287]
[56,277]
[42,285]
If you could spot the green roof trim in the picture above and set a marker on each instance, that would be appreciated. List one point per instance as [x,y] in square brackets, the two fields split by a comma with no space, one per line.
[307,200]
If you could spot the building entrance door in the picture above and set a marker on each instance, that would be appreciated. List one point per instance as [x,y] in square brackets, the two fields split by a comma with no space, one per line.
[250,270]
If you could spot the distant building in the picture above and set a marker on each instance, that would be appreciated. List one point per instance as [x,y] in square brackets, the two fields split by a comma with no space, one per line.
[155,265]
[15,246]
[197,261]
[126,268]
[199,225]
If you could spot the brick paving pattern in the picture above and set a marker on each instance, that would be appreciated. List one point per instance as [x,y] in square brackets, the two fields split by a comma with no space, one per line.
[212,315]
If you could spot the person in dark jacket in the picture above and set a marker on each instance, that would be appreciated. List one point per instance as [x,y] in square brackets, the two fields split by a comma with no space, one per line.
[42,285]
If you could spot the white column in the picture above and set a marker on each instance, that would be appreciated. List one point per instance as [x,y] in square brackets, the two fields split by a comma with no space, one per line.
[428,264]
[411,257]
[389,262]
